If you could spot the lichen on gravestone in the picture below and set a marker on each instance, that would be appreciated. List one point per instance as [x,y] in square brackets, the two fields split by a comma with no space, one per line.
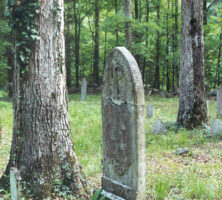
[123,128]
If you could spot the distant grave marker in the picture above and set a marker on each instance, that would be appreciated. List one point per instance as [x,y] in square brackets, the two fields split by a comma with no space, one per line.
[123,128]
[149,111]
[15,183]
[83,89]
[219,101]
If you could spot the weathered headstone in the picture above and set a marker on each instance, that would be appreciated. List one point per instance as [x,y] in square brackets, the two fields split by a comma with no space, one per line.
[149,111]
[208,108]
[216,128]
[219,101]
[83,89]
[123,128]
[15,184]
[162,93]
[159,127]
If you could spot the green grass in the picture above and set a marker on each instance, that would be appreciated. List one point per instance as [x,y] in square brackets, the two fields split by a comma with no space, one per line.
[197,175]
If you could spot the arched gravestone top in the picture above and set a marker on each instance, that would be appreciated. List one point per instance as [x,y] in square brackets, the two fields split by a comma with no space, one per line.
[123,128]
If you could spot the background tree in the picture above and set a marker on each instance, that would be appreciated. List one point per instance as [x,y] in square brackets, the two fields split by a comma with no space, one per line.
[146,29]
[96,45]
[128,24]
[192,109]
[42,148]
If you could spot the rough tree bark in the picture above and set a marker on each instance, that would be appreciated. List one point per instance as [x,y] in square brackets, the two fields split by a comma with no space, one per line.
[192,109]
[42,148]
[128,24]
[10,58]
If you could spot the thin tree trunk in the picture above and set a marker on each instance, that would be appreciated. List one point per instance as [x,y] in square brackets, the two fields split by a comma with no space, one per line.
[105,49]
[157,70]
[167,48]
[68,41]
[205,12]
[76,44]
[176,45]
[96,46]
[192,108]
[128,24]
[136,9]
[42,148]
[117,28]
[144,60]
[173,48]
[141,10]
[219,61]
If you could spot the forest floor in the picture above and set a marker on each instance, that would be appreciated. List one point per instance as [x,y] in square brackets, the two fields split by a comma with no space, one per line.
[196,175]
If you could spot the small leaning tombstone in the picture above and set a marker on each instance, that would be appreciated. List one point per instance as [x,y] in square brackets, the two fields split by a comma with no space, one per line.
[83,89]
[159,127]
[216,128]
[15,184]
[123,128]
[149,111]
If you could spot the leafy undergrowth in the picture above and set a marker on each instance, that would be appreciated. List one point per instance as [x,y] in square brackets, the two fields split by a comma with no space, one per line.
[196,175]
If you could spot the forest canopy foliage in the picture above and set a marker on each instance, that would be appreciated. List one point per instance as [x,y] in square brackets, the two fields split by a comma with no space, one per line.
[156,40]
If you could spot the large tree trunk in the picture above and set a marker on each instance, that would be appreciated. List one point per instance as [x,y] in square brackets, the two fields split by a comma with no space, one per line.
[96,46]
[42,148]
[192,108]
[128,24]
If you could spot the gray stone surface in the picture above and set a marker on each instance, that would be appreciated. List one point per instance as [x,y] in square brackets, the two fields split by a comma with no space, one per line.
[83,89]
[15,183]
[208,111]
[162,94]
[149,111]
[216,128]
[159,127]
[219,101]
[182,151]
[123,127]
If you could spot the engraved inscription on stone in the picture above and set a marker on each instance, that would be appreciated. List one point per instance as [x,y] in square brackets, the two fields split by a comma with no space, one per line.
[123,128]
